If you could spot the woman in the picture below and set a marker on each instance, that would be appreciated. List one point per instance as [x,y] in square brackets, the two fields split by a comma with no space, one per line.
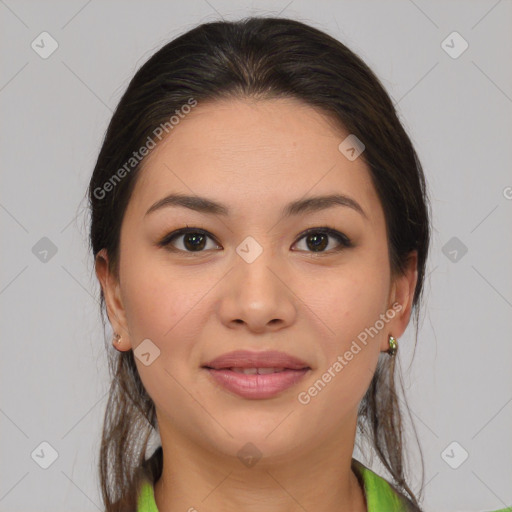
[260,229]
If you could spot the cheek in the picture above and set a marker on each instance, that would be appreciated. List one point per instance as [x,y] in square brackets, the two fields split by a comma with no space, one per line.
[349,354]
[156,296]
[350,332]
[167,305]
[163,306]
[151,303]
[349,301]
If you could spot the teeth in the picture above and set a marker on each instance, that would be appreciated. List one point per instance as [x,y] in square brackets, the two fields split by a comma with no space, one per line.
[254,371]
[263,371]
[247,371]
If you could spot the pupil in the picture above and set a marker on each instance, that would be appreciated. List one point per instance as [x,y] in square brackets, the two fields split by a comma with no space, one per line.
[315,238]
[197,241]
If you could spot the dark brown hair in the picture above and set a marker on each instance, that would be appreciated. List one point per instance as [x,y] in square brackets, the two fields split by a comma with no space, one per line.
[259,58]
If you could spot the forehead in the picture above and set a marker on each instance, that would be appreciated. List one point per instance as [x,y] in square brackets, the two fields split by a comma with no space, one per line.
[245,152]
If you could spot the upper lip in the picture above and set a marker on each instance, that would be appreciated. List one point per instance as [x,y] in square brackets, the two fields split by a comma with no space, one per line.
[246,359]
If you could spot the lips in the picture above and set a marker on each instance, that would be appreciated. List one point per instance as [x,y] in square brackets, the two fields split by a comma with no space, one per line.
[240,360]
[256,375]
[256,386]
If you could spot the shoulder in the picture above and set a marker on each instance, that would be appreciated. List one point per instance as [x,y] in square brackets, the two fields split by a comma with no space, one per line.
[379,493]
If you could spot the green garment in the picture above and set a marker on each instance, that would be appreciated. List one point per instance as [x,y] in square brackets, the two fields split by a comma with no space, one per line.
[380,496]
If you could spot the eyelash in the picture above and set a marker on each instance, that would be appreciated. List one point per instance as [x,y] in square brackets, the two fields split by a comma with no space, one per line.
[341,238]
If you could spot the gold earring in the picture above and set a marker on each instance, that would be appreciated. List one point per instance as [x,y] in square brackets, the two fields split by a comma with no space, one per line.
[117,338]
[393,346]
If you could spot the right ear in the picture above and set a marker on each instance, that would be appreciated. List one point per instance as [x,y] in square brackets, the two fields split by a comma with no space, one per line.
[112,293]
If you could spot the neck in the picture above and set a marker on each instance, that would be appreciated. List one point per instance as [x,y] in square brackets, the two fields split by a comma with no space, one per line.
[193,478]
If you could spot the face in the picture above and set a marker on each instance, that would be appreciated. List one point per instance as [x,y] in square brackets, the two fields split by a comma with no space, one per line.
[314,283]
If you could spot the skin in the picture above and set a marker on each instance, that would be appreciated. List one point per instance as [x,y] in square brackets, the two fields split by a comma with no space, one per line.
[255,157]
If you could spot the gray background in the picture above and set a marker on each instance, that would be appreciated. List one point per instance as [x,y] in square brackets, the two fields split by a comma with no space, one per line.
[55,112]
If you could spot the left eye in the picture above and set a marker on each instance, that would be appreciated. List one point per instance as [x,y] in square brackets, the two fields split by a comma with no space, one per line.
[194,240]
[318,239]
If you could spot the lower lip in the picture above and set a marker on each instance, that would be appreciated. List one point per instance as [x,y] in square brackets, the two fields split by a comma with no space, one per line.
[257,386]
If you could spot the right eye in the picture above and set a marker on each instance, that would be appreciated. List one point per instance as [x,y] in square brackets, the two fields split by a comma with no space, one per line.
[193,240]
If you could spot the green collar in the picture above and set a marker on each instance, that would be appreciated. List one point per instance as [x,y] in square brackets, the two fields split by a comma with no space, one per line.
[380,497]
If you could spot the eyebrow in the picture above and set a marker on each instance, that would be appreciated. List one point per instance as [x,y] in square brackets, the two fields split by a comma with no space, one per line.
[204,205]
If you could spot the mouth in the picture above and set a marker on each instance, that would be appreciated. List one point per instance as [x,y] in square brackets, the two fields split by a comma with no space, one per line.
[256,375]
[249,383]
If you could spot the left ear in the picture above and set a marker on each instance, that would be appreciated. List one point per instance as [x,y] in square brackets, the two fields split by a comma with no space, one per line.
[401,296]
